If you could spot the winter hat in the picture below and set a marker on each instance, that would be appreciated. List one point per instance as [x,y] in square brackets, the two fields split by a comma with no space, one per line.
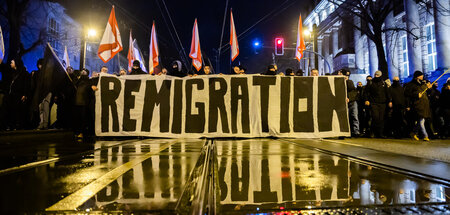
[136,63]
[417,74]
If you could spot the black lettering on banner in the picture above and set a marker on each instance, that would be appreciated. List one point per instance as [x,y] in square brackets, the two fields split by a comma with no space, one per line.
[177,106]
[216,104]
[264,82]
[129,124]
[236,84]
[154,98]
[303,90]
[285,97]
[195,123]
[108,99]
[329,103]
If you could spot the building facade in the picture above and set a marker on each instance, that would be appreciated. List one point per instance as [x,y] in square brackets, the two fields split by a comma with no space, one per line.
[343,46]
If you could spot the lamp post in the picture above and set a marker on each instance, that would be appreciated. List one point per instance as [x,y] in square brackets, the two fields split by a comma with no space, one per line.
[90,33]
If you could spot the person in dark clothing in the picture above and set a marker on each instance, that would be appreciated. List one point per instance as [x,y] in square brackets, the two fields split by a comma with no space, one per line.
[82,100]
[18,94]
[299,72]
[352,96]
[177,69]
[289,72]
[242,70]
[436,122]
[136,70]
[444,102]
[366,115]
[377,98]
[398,124]
[35,114]
[420,104]
[271,70]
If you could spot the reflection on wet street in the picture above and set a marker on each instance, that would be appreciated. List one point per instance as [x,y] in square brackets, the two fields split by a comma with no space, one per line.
[157,175]
[269,174]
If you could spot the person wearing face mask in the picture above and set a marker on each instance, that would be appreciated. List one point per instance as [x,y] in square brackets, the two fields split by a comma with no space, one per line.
[271,70]
[177,69]
[82,100]
[444,102]
[136,70]
[366,121]
[398,108]
[436,119]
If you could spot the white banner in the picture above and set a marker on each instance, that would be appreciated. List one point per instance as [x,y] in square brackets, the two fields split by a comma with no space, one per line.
[221,106]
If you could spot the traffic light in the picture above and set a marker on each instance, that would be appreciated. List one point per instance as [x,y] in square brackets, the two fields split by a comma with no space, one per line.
[279,46]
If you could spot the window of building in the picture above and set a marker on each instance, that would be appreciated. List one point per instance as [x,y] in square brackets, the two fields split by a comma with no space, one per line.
[404,58]
[53,33]
[431,47]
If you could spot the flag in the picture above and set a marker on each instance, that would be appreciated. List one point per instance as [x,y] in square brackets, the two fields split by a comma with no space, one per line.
[52,78]
[233,39]
[154,51]
[66,60]
[138,55]
[111,43]
[300,41]
[196,52]
[2,46]
[130,53]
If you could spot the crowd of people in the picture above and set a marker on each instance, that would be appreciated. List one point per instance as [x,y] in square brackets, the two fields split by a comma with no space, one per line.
[378,109]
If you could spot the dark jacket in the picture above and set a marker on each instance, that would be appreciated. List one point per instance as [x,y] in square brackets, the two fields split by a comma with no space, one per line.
[352,93]
[398,95]
[20,83]
[82,95]
[444,99]
[420,106]
[433,96]
[137,71]
[378,92]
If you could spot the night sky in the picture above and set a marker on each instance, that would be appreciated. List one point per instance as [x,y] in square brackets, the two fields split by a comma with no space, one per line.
[139,14]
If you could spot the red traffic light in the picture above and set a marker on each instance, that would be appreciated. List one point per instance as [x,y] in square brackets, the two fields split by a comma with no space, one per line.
[279,46]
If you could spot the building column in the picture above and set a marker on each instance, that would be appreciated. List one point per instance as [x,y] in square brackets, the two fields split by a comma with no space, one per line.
[442,29]
[413,26]
[320,59]
[373,57]
[326,52]
[391,51]
[359,47]
[335,40]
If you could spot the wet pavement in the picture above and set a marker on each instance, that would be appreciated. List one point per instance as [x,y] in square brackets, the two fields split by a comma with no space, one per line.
[167,176]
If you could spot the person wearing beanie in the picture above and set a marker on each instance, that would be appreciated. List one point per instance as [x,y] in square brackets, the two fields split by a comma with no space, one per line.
[289,72]
[271,70]
[378,98]
[419,104]
[136,70]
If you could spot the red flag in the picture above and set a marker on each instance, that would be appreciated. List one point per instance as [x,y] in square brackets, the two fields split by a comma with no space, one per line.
[196,52]
[300,41]
[233,38]
[154,51]
[111,43]
[130,56]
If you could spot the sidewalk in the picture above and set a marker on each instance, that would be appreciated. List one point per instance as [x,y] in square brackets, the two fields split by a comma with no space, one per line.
[434,149]
[28,136]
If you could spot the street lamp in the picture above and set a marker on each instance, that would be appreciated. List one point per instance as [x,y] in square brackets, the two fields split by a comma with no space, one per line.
[91,33]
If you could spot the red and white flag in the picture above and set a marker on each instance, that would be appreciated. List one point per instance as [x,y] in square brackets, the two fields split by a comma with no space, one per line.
[300,41]
[111,43]
[233,39]
[130,55]
[196,52]
[154,51]
[66,59]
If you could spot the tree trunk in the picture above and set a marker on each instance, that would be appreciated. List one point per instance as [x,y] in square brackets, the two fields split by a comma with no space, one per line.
[382,62]
[14,19]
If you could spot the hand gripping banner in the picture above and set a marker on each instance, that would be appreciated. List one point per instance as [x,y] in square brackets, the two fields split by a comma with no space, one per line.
[222,106]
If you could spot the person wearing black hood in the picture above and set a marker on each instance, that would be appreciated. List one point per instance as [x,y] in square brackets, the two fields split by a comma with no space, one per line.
[177,69]
[136,70]
[436,117]
[299,72]
[289,72]
[271,70]
[82,100]
[444,102]
[17,96]
[419,104]
[378,97]
[398,124]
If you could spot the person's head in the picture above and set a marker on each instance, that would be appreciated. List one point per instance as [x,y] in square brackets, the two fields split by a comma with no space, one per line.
[378,74]
[104,69]
[84,72]
[299,72]
[94,74]
[314,72]
[70,70]
[359,84]
[242,69]
[39,63]
[136,64]
[289,72]
[236,70]
[369,78]
[13,64]
[122,72]
[176,66]
[418,75]
[340,72]
[207,70]
[164,71]
[396,78]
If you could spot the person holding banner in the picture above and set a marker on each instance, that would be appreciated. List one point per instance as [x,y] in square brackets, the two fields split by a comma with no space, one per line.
[177,69]
[271,70]
[137,70]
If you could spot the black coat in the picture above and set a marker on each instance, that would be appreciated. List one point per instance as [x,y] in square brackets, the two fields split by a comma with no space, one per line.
[444,99]
[20,84]
[352,93]
[398,96]
[83,93]
[138,71]
[421,106]
[378,92]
